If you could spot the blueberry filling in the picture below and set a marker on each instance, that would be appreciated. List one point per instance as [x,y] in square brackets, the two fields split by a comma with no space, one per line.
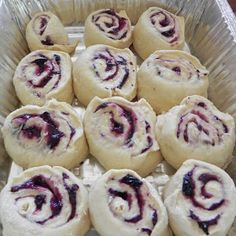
[50,66]
[31,132]
[72,192]
[123,195]
[188,189]
[205,125]
[154,218]
[147,127]
[169,33]
[164,23]
[188,185]
[40,182]
[116,126]
[204,225]
[202,104]
[43,24]
[135,184]
[40,24]
[125,78]
[39,201]
[177,70]
[53,135]
[132,181]
[114,29]
[149,144]
[47,41]
[146,230]
[113,65]
[205,178]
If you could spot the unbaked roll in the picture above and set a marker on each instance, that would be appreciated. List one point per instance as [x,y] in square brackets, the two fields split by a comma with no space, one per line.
[106,26]
[166,77]
[45,31]
[122,203]
[104,71]
[196,129]
[48,135]
[158,29]
[44,201]
[42,75]
[121,134]
[200,200]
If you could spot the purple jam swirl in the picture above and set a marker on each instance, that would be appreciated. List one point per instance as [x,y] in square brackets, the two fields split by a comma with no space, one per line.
[117,25]
[165,20]
[114,64]
[204,121]
[52,134]
[72,193]
[135,184]
[204,225]
[40,25]
[47,41]
[116,127]
[46,69]
[41,183]
[39,201]
[149,144]
[123,195]
[149,139]
[43,22]
[189,191]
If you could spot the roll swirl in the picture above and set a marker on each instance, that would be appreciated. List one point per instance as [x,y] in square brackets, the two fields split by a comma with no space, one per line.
[120,134]
[196,129]
[104,71]
[106,26]
[44,201]
[202,197]
[158,29]
[131,206]
[48,135]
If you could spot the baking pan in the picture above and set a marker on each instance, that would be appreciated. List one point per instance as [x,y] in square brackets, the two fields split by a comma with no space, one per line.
[210,35]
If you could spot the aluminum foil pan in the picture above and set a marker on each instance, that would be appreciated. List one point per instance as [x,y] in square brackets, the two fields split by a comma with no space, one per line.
[210,34]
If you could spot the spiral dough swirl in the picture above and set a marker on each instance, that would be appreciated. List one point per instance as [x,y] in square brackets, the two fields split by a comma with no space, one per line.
[165,24]
[204,194]
[209,128]
[116,72]
[43,74]
[43,127]
[44,201]
[113,25]
[123,125]
[128,201]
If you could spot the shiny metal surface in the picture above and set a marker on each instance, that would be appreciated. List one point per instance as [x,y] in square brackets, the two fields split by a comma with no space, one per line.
[210,34]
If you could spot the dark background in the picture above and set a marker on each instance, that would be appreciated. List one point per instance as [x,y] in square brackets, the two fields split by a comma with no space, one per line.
[233,4]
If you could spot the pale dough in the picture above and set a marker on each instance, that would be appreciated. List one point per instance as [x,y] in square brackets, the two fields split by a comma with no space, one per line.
[104,71]
[200,200]
[45,31]
[42,75]
[44,201]
[166,77]
[106,26]
[196,129]
[121,134]
[122,203]
[158,29]
[48,135]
